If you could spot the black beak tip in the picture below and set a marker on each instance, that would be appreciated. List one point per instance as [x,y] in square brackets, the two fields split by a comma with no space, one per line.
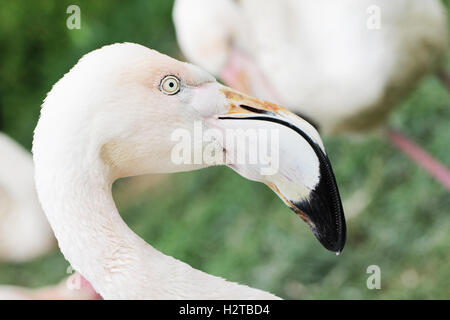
[323,209]
[332,241]
[326,220]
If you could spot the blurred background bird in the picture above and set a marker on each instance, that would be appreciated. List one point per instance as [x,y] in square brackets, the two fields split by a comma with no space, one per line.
[24,231]
[344,65]
[245,235]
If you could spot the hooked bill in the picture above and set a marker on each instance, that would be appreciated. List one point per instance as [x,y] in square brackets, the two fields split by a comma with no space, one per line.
[309,190]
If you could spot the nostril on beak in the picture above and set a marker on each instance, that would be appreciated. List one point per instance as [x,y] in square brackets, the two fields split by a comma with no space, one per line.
[255,110]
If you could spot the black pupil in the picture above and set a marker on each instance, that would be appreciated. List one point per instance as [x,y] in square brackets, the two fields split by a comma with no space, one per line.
[171,84]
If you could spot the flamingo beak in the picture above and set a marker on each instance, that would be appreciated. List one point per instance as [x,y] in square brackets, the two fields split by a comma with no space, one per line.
[304,179]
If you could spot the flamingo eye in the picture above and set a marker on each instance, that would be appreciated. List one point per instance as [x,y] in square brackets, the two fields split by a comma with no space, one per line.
[170,85]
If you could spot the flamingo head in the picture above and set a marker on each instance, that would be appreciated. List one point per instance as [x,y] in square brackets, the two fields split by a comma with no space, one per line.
[140,112]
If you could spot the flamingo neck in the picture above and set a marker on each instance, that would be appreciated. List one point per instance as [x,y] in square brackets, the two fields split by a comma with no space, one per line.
[75,194]
[90,232]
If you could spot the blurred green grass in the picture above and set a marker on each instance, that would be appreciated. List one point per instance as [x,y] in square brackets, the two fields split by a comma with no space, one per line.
[217,221]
